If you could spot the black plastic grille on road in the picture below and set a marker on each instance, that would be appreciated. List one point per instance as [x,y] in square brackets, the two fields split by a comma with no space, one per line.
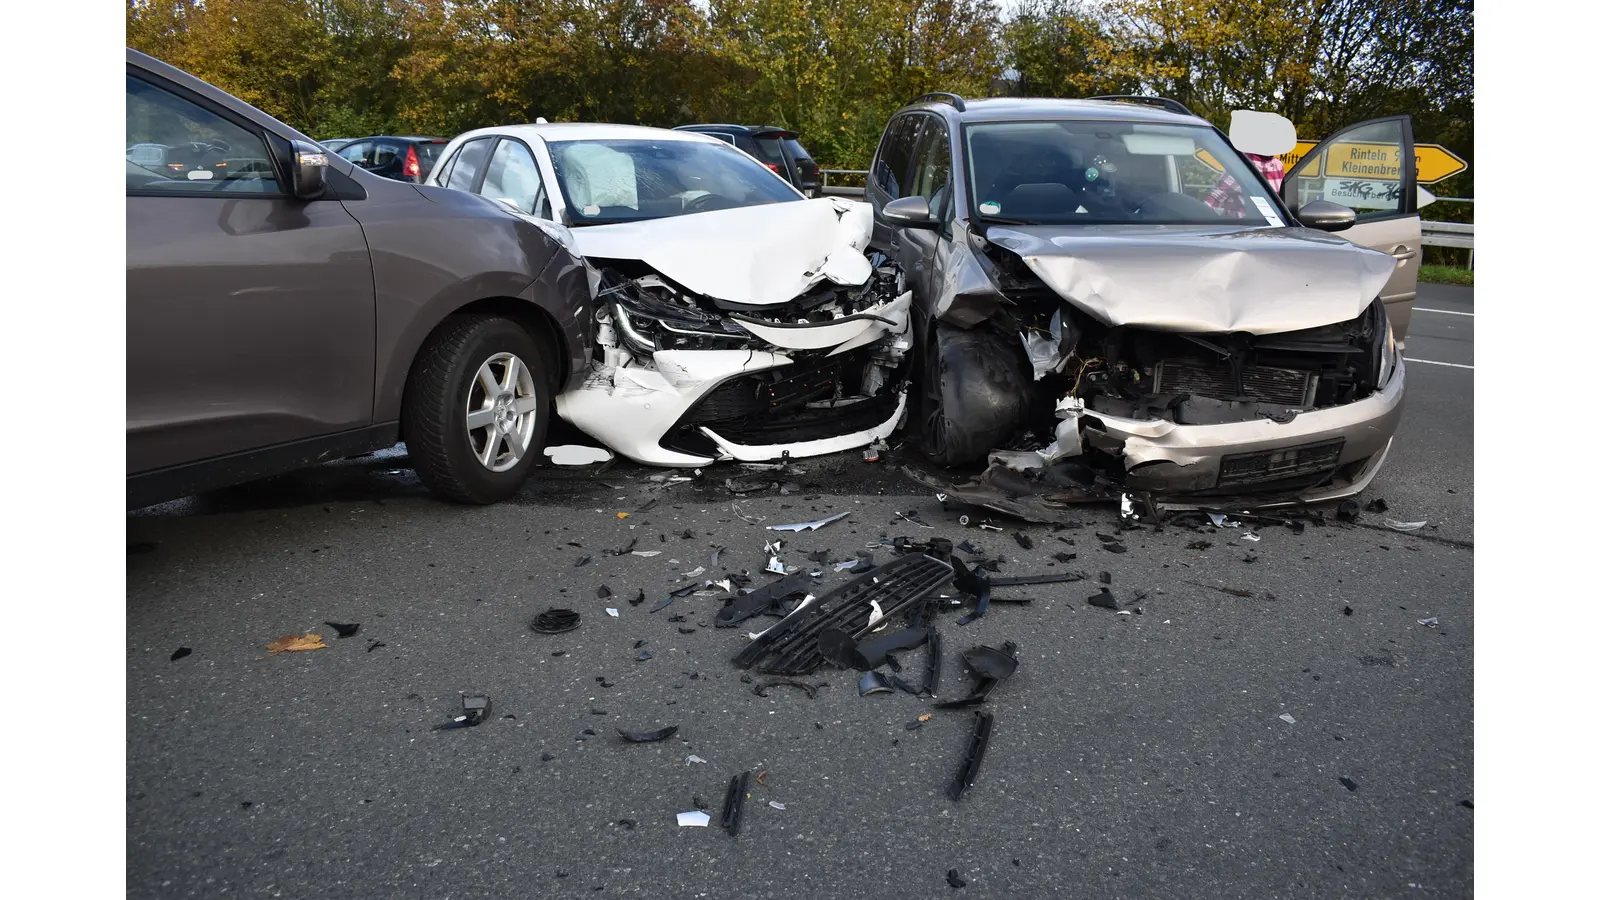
[1290,387]
[1274,465]
[790,647]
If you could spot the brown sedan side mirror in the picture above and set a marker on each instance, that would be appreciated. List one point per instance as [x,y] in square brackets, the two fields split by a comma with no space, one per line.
[1325,215]
[310,162]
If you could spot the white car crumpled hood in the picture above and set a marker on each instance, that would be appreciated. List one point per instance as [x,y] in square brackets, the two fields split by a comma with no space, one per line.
[1198,280]
[763,255]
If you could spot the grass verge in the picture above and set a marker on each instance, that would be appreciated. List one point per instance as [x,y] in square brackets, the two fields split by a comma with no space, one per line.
[1445,275]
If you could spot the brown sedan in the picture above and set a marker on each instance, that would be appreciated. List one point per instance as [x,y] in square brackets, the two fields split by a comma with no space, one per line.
[285,307]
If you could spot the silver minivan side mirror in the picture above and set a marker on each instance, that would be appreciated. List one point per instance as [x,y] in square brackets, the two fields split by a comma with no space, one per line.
[310,164]
[910,212]
[1325,215]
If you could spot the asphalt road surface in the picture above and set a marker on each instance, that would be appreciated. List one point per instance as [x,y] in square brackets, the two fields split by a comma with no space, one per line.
[1146,755]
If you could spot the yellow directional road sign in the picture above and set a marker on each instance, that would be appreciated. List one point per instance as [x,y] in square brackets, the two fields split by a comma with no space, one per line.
[1375,161]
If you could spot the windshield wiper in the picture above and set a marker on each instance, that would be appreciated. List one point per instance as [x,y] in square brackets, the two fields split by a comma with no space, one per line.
[1002,220]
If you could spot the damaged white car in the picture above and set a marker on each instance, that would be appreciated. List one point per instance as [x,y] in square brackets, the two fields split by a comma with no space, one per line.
[1110,300]
[736,318]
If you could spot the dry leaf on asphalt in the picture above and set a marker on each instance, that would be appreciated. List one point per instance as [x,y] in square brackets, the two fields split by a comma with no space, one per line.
[292,642]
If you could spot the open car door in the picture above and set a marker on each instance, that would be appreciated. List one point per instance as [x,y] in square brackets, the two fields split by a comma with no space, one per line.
[1371,167]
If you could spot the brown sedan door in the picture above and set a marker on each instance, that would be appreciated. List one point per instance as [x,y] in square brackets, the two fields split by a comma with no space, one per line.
[1371,168]
[250,314]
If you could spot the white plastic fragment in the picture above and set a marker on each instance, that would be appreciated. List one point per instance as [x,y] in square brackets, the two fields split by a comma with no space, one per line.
[810,526]
[692,760]
[775,567]
[1287,718]
[776,805]
[1251,536]
[647,553]
[694,819]
[1431,621]
[1404,526]
[577,455]
[753,520]
[1124,612]
[696,573]
[613,613]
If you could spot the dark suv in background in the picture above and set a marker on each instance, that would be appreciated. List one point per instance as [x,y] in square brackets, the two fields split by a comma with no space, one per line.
[777,148]
[291,308]
[400,158]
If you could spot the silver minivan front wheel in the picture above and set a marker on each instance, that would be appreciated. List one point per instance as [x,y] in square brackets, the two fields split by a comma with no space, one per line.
[502,410]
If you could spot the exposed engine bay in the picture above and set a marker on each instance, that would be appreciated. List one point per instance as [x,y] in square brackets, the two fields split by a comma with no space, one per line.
[1110,405]
[684,377]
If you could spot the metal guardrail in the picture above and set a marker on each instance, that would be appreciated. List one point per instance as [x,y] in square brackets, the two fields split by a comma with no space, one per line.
[842,190]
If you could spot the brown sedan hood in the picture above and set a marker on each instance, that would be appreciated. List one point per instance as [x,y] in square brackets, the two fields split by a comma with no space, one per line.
[1202,279]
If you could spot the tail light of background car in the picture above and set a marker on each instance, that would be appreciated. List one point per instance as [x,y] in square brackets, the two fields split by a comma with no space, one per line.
[773,167]
[413,168]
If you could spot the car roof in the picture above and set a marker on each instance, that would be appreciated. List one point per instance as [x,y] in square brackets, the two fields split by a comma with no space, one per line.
[740,129]
[1022,109]
[590,131]
[395,137]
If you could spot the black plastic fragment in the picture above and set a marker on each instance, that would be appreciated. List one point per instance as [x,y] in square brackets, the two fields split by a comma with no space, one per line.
[627,548]
[1377,505]
[582,561]
[602,592]
[733,802]
[1048,578]
[474,709]
[1064,557]
[343,629]
[990,663]
[644,656]
[974,583]
[1198,545]
[1349,511]
[761,689]
[761,599]
[180,653]
[870,654]
[646,737]
[1104,599]
[555,621]
[980,691]
[637,600]
[1349,785]
[1349,611]
[838,647]
[1105,577]
[969,547]
[1106,538]
[1114,548]
[375,645]
[932,661]
[974,757]
[953,878]
[900,684]
[1023,540]
[663,603]
[873,683]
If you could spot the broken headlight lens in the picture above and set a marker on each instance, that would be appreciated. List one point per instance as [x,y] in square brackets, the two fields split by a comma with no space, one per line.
[648,323]
[1390,358]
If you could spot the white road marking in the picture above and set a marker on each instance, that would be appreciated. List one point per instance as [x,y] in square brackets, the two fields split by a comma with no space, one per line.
[1445,312]
[1435,362]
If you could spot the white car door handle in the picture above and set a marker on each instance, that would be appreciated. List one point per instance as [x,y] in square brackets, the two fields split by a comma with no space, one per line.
[1403,252]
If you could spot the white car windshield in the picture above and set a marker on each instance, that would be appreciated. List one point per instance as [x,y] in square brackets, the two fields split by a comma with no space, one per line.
[1092,172]
[609,181]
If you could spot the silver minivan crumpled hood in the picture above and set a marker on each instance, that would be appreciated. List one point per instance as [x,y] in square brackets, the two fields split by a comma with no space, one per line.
[1199,279]
[752,255]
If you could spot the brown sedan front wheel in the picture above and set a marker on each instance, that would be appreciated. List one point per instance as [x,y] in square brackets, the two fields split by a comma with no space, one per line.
[476,409]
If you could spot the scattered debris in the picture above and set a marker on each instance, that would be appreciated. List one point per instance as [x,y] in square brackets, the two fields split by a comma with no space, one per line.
[775,566]
[810,526]
[180,653]
[343,630]
[753,520]
[1251,536]
[1396,525]
[1198,545]
[919,721]
[776,805]
[1349,785]
[663,603]
[933,658]
[873,683]
[1349,611]
[1104,599]
[1114,548]
[695,819]
[749,485]
[1349,511]
[953,878]
[973,759]
[1234,592]
[291,643]
[1049,578]
[810,689]
[474,709]
[1431,621]
[913,518]
[556,621]
[638,599]
[647,553]
[733,803]
[692,760]
[602,592]
[577,455]
[375,645]
[1287,718]
[644,656]
[980,692]
[646,737]
[582,561]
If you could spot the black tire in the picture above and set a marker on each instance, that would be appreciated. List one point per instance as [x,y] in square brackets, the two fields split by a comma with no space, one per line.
[976,394]
[433,417]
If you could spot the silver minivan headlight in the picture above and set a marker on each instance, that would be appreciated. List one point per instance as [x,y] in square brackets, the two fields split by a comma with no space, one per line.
[1390,359]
